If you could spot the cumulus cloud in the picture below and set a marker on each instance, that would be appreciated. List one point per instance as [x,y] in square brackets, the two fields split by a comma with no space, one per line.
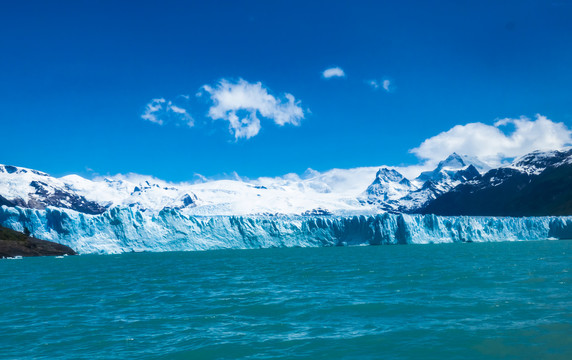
[241,103]
[494,144]
[161,111]
[333,72]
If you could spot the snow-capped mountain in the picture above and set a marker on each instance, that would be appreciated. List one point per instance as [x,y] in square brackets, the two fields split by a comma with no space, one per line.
[314,193]
[391,191]
[455,168]
[35,189]
[536,184]
[388,188]
[336,192]
[536,162]
[38,190]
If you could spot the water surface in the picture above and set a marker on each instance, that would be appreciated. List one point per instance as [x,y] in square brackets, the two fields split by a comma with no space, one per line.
[479,300]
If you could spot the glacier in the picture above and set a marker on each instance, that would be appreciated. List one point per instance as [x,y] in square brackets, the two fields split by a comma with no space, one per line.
[127,229]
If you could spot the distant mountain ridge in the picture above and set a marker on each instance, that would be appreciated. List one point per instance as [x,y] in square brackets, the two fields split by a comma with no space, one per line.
[536,184]
[391,191]
[37,190]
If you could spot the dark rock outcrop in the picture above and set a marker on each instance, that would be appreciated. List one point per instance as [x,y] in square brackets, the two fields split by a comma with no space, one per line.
[14,243]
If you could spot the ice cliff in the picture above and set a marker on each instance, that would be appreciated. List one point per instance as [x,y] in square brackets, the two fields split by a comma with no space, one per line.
[127,229]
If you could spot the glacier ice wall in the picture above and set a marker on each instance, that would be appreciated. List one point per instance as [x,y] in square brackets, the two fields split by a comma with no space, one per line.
[126,229]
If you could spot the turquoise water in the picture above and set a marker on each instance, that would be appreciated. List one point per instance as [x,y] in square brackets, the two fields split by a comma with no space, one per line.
[442,301]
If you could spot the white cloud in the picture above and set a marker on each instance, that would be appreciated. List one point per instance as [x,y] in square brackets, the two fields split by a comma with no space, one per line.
[492,145]
[251,99]
[333,72]
[177,109]
[152,109]
[386,84]
[161,111]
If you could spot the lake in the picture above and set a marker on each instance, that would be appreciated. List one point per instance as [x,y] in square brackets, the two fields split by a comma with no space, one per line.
[462,300]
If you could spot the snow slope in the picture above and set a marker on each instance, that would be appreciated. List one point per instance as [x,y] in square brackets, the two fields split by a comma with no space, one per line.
[342,192]
[335,190]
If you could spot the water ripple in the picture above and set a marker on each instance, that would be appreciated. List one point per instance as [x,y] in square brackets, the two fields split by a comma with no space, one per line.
[432,301]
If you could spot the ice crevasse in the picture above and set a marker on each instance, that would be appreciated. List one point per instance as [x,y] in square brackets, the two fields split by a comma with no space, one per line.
[126,229]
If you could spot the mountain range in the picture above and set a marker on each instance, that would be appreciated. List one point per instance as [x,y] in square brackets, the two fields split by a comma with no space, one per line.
[536,184]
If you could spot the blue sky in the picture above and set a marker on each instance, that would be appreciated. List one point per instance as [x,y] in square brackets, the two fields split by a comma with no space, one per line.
[77,76]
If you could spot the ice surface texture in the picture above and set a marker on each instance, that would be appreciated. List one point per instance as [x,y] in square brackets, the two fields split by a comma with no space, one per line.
[126,229]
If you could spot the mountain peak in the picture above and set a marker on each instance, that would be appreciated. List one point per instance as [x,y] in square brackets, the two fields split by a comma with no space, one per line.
[386,174]
[389,185]
[9,169]
[536,161]
[457,161]
[453,161]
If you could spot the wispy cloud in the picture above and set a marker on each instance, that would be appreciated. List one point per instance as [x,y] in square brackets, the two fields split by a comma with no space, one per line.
[161,111]
[240,103]
[152,109]
[491,144]
[385,84]
[373,83]
[333,72]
